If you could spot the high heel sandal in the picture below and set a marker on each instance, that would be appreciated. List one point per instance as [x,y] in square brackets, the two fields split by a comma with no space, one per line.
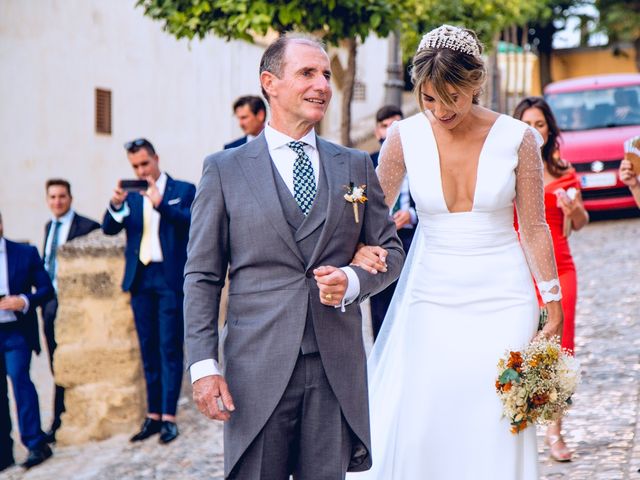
[560,455]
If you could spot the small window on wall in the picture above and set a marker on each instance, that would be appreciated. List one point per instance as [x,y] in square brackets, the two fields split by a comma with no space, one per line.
[359,91]
[103,111]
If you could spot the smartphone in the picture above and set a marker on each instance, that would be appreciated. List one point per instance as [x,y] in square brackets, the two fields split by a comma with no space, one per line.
[134,185]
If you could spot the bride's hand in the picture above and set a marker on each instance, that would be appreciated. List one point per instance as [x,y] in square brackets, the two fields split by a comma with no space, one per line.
[555,319]
[371,259]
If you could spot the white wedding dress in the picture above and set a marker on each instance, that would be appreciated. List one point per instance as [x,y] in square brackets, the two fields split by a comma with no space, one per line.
[465,296]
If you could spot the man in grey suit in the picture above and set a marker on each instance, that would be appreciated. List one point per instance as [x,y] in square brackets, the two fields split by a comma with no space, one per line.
[294,393]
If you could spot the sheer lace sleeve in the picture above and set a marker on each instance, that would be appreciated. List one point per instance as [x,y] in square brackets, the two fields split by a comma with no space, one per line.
[534,231]
[391,168]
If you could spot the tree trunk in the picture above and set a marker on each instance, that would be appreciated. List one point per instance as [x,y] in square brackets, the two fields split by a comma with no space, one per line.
[545,47]
[636,45]
[347,92]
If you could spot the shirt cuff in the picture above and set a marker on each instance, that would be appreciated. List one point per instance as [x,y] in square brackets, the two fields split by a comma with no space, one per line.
[353,288]
[25,310]
[204,368]
[119,215]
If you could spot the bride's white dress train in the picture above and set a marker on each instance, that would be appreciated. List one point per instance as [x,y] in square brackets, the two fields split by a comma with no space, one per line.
[465,296]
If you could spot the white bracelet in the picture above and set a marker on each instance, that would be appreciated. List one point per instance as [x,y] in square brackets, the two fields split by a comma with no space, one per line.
[545,291]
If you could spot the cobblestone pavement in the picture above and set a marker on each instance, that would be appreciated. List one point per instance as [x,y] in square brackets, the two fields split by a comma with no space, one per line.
[603,428]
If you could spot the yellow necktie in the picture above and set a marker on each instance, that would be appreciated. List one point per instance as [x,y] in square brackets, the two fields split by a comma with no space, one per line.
[145,241]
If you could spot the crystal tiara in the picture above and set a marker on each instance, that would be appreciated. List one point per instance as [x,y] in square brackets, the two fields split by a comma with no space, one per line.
[453,38]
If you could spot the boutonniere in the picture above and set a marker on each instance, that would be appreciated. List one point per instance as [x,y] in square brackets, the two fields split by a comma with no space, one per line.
[355,195]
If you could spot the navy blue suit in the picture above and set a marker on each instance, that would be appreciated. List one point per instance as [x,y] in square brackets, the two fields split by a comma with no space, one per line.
[19,338]
[6,452]
[156,290]
[238,142]
[80,226]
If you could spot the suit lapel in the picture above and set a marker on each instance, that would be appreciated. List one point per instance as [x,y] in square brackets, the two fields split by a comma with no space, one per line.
[256,159]
[73,229]
[336,168]
[12,267]
[46,236]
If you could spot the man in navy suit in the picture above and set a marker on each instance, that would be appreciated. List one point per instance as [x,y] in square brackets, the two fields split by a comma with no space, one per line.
[21,271]
[156,221]
[251,113]
[64,226]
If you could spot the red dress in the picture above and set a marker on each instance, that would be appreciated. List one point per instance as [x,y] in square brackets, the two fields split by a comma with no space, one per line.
[564,260]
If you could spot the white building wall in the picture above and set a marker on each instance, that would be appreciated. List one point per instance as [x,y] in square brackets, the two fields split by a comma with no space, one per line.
[55,53]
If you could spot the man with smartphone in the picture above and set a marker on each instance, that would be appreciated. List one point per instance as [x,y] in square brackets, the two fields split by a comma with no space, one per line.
[65,225]
[154,210]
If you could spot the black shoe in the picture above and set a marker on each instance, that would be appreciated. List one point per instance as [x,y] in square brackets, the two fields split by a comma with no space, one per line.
[50,436]
[6,463]
[37,456]
[168,432]
[149,427]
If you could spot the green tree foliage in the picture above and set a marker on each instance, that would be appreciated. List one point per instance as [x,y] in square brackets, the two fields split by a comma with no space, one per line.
[486,17]
[337,22]
[620,19]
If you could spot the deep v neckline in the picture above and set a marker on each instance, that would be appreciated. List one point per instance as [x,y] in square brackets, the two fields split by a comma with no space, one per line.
[478,165]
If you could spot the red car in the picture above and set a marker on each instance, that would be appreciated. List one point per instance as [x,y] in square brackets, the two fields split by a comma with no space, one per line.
[596,115]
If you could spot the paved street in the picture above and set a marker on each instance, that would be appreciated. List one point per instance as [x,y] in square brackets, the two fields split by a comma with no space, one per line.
[603,428]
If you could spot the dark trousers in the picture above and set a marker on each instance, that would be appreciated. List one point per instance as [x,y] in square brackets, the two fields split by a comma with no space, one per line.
[49,312]
[306,436]
[6,443]
[17,357]
[381,300]
[157,310]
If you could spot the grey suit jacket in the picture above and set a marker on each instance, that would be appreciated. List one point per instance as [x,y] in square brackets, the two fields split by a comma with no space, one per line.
[237,221]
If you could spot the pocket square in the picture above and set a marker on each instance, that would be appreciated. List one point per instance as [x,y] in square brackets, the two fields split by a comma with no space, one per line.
[174,201]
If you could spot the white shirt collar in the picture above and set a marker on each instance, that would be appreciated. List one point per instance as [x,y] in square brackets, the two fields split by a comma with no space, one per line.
[3,245]
[66,218]
[276,139]
[161,183]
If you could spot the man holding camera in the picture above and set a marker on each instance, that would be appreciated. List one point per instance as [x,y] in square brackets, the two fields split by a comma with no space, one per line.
[155,213]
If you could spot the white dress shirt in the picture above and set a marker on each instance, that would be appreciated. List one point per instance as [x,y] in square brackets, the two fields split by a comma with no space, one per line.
[7,316]
[119,216]
[284,158]
[63,235]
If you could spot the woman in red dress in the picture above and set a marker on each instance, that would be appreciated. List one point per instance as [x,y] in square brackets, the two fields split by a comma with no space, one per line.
[565,212]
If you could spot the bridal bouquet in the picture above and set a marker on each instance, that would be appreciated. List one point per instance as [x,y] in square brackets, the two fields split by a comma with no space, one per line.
[536,385]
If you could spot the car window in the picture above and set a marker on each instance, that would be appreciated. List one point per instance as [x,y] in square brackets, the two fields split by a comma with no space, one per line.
[601,108]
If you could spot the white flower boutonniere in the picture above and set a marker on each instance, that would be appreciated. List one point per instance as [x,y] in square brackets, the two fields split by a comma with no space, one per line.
[355,195]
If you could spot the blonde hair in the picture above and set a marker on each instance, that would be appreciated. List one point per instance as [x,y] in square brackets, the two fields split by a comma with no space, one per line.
[443,67]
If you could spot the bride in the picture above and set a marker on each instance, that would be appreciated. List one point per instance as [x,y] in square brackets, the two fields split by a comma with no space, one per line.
[466,294]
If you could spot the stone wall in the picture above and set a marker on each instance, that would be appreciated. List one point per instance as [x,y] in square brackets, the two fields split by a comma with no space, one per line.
[97,359]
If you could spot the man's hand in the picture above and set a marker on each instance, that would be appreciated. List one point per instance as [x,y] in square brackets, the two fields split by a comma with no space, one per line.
[371,259]
[627,175]
[152,193]
[401,218]
[118,197]
[14,303]
[332,283]
[206,392]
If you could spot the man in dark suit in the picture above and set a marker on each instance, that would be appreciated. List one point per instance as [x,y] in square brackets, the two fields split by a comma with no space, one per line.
[403,214]
[6,452]
[251,113]
[21,271]
[157,224]
[64,226]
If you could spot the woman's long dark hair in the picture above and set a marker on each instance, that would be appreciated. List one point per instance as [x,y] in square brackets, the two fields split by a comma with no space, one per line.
[550,150]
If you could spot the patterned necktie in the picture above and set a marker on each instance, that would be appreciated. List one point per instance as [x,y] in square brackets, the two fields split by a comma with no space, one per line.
[304,182]
[145,241]
[51,259]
